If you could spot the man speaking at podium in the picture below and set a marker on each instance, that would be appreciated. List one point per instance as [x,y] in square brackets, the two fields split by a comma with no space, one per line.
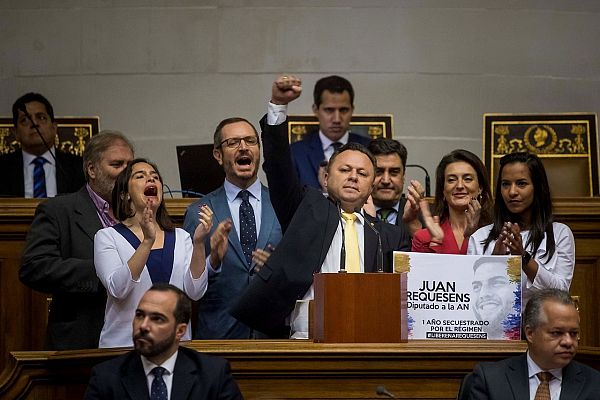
[321,234]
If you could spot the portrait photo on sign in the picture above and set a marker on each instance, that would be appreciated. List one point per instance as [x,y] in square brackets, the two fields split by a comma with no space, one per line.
[462,297]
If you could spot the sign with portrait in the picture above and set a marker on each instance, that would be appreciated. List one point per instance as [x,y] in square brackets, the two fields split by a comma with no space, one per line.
[462,297]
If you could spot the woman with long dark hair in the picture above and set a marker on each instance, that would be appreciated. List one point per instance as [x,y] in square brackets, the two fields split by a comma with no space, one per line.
[463,203]
[143,249]
[524,226]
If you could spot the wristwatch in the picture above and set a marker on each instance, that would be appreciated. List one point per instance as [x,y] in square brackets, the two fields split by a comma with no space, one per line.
[525,258]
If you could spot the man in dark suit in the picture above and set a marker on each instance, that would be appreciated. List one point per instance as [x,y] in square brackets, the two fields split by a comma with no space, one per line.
[59,250]
[237,149]
[312,227]
[547,369]
[62,172]
[159,368]
[333,106]
[390,204]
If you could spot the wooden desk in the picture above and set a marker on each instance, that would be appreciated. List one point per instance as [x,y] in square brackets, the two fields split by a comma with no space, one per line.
[289,369]
[23,311]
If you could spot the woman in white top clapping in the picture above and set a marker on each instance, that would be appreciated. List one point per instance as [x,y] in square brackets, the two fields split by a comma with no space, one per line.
[145,248]
[524,226]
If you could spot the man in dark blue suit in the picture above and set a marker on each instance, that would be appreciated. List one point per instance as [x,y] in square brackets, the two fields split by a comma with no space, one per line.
[158,368]
[547,370]
[229,260]
[36,130]
[333,106]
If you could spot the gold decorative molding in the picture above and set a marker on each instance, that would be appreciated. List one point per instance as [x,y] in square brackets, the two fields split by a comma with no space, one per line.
[73,134]
[569,142]
[368,125]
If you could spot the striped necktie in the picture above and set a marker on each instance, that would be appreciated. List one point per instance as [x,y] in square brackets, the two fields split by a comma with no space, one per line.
[39,178]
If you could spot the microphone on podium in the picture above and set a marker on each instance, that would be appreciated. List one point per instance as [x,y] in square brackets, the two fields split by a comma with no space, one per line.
[59,169]
[343,248]
[382,391]
[427,178]
[379,247]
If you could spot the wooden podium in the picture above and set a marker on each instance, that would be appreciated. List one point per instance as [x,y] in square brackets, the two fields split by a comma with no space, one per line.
[359,308]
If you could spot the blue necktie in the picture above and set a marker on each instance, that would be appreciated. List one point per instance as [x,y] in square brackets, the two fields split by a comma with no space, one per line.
[159,387]
[247,226]
[39,178]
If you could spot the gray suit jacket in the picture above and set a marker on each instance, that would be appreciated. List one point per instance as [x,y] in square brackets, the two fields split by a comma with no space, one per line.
[214,320]
[195,376]
[508,380]
[59,259]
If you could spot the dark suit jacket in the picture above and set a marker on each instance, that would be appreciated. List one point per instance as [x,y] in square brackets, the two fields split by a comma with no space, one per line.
[69,174]
[508,380]
[399,221]
[214,320]
[307,154]
[196,376]
[309,221]
[59,259]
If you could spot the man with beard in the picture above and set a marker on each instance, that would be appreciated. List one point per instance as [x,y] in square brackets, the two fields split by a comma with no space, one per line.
[547,370]
[37,169]
[493,295]
[159,368]
[59,250]
[244,223]
[390,205]
[314,226]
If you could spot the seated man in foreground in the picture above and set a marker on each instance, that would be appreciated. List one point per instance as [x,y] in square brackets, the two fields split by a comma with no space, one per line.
[547,370]
[315,227]
[158,368]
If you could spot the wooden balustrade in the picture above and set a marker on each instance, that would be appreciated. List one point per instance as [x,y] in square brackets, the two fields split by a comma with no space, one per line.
[23,311]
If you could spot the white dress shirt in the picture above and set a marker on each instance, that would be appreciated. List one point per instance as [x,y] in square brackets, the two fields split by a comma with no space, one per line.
[168,365]
[534,382]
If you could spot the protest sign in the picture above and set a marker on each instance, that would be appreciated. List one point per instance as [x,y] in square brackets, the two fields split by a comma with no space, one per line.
[462,297]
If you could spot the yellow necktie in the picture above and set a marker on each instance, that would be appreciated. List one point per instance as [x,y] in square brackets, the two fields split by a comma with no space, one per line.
[351,242]
[543,390]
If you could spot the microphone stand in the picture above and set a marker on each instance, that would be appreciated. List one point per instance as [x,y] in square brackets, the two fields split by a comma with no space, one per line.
[427,179]
[37,129]
[382,391]
[343,248]
[379,246]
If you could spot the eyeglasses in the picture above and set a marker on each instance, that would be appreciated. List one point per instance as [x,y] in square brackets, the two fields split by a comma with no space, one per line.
[234,143]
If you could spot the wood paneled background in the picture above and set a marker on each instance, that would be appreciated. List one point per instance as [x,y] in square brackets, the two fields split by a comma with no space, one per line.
[23,311]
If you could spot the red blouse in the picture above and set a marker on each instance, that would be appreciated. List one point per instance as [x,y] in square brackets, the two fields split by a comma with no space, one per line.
[421,242]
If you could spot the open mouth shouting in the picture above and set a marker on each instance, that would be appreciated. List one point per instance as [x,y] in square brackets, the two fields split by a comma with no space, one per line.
[151,191]
[244,162]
